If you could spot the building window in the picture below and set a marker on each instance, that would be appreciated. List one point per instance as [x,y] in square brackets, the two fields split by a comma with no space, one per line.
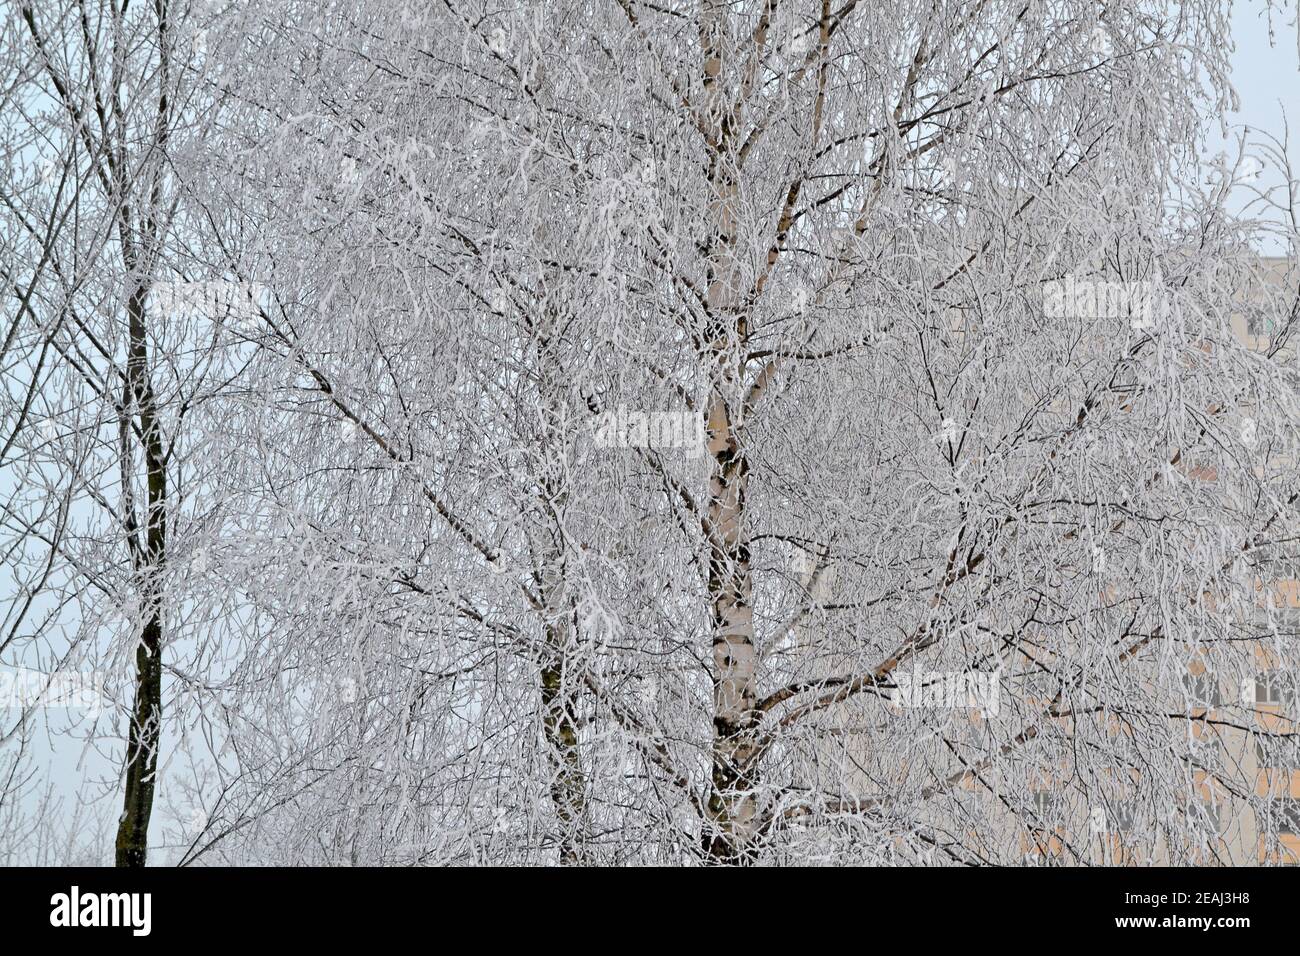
[1123,814]
[1285,814]
[1277,753]
[1284,619]
[1047,805]
[1202,691]
[1276,688]
[1207,816]
[1277,563]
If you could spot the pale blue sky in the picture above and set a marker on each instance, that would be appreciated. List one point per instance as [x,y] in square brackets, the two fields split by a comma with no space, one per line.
[1266,76]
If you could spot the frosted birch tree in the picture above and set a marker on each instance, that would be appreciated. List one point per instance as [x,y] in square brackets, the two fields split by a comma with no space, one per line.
[123,325]
[838,240]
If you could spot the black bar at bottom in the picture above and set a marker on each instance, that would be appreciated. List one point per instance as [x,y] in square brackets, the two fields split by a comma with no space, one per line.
[651,907]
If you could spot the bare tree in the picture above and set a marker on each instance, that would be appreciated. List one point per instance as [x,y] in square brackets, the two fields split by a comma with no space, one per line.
[118,99]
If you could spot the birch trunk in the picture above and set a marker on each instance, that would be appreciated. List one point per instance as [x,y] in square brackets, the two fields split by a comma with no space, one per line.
[731,809]
[559,687]
[559,723]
